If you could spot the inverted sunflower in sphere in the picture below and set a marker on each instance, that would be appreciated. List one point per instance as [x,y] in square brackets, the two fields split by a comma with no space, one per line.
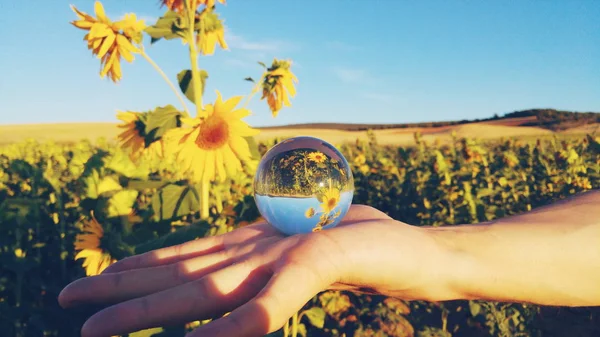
[215,146]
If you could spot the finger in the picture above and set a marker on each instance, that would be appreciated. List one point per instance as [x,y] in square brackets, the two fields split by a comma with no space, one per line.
[286,293]
[211,296]
[122,286]
[359,212]
[193,249]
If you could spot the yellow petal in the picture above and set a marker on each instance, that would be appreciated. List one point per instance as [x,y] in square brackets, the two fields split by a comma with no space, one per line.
[242,129]
[125,43]
[100,30]
[82,15]
[83,24]
[232,164]
[240,147]
[99,9]
[127,55]
[106,44]
[228,105]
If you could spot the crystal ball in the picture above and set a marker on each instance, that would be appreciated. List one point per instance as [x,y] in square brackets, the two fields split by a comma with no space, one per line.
[303,185]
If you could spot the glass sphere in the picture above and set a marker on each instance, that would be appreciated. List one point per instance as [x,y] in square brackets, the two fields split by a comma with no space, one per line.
[303,185]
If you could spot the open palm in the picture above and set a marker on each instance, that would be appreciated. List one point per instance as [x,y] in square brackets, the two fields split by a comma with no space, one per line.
[258,275]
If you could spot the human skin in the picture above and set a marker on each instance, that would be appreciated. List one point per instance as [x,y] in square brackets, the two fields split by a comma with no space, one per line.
[549,256]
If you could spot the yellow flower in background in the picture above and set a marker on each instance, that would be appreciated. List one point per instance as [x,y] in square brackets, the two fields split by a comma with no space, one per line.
[360,159]
[213,32]
[88,245]
[133,138]
[278,84]
[215,146]
[110,41]
[317,157]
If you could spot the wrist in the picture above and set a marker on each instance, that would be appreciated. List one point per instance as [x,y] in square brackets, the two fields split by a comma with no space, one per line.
[454,267]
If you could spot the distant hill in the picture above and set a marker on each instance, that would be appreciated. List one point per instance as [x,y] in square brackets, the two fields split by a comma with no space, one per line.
[550,119]
[525,123]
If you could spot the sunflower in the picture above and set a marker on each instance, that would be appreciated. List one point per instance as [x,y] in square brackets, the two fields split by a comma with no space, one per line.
[309,212]
[179,5]
[133,138]
[330,200]
[108,40]
[215,146]
[317,157]
[213,33]
[88,245]
[277,80]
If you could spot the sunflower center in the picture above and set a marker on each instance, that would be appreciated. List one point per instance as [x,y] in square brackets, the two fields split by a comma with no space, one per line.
[331,203]
[214,133]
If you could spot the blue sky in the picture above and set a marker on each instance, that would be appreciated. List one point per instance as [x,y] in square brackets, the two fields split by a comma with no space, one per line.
[385,61]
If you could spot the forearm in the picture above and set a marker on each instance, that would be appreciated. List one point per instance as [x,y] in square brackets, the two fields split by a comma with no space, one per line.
[549,256]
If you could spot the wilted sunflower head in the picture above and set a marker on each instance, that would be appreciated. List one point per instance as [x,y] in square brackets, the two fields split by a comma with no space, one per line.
[134,138]
[213,33]
[108,40]
[278,85]
[88,245]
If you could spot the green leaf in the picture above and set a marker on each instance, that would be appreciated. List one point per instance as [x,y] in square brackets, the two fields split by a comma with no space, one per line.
[108,184]
[475,308]
[262,64]
[120,163]
[120,203]
[249,79]
[302,329]
[485,192]
[186,84]
[254,151]
[168,27]
[174,201]
[90,183]
[179,236]
[141,185]
[316,316]
[147,333]
[161,120]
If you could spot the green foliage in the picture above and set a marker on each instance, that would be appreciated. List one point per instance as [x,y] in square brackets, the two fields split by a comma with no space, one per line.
[47,190]
[186,84]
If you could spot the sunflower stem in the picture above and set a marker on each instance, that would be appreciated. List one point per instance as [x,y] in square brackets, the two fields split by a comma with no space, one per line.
[166,78]
[254,91]
[295,325]
[204,189]
[286,329]
[194,59]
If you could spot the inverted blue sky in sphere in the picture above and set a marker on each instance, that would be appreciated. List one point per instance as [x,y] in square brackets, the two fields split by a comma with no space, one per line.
[357,61]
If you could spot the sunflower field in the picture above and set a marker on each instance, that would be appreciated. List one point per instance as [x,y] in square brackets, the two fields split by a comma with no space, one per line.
[177,174]
[69,210]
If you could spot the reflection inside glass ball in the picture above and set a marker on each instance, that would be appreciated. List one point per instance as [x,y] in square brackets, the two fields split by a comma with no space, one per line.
[303,185]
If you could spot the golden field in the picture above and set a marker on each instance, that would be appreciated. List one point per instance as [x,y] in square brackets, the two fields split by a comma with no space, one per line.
[508,128]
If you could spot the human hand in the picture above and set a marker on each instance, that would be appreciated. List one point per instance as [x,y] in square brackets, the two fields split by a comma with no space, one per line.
[258,275]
